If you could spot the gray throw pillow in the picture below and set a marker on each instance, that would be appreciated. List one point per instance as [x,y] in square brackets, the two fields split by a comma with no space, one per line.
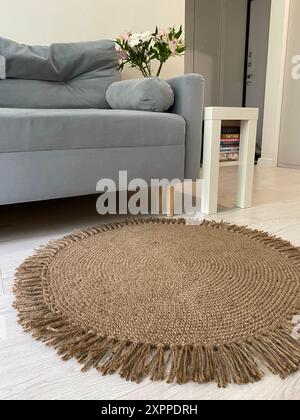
[150,94]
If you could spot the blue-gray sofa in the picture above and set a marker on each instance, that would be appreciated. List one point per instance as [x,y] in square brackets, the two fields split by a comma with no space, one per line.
[58,137]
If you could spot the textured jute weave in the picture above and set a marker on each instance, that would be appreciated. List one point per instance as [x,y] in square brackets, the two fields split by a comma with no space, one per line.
[166,300]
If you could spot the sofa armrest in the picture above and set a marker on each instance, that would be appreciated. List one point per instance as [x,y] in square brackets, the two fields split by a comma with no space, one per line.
[189,103]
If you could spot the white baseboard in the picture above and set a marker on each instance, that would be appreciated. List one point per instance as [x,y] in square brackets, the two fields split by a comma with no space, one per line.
[267,163]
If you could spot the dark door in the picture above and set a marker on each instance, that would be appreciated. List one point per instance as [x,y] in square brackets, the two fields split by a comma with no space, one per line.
[257,56]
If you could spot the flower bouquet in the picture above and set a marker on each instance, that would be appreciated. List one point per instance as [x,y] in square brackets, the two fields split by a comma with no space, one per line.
[139,50]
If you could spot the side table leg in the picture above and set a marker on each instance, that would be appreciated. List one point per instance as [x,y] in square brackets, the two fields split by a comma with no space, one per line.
[171,201]
[246,164]
[211,166]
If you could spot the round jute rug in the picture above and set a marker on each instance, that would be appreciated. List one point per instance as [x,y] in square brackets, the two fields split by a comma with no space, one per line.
[167,300]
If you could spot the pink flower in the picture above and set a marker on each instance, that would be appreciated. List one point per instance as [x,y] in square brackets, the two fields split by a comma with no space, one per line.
[125,36]
[173,44]
[122,54]
[163,34]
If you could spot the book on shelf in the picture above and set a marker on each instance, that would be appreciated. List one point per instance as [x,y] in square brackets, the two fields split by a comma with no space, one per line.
[231,130]
[228,151]
[230,136]
[234,141]
[229,144]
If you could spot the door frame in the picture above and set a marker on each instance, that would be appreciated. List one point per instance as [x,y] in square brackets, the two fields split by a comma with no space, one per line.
[247,51]
[278,41]
[278,38]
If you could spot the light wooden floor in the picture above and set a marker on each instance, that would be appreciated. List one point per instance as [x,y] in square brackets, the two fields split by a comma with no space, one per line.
[29,370]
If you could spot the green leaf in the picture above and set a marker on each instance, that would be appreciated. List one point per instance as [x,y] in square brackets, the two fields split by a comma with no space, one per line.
[179,33]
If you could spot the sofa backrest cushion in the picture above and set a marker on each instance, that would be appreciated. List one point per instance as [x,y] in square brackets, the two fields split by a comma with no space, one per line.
[60,76]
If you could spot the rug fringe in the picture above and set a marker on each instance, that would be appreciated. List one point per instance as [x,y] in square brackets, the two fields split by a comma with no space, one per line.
[240,363]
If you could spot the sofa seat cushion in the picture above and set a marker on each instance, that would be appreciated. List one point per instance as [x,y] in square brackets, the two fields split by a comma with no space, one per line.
[23,130]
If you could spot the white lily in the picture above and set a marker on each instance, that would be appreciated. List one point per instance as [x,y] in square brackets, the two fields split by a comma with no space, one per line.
[146,36]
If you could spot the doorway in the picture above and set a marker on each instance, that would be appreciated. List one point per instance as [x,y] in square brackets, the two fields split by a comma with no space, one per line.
[228,44]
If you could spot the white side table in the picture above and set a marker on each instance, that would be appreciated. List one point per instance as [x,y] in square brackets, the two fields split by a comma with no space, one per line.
[213,118]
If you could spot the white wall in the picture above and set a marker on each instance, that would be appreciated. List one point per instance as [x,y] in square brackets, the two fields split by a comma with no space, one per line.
[47,21]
